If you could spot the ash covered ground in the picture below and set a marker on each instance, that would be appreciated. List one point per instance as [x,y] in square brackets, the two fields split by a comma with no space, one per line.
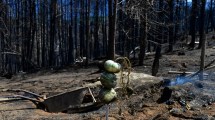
[150,100]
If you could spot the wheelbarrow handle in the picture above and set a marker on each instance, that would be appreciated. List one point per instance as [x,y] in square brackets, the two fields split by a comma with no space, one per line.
[17,97]
[8,98]
[28,98]
[25,91]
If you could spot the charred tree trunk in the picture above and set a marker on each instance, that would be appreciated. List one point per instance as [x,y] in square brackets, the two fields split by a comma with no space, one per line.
[112,11]
[96,31]
[156,63]
[193,23]
[171,27]
[24,34]
[211,15]
[43,33]
[202,24]
[53,12]
[33,27]
[71,41]
[202,64]
[104,29]
[1,38]
[143,39]
[88,32]
[75,28]
[81,29]
[186,20]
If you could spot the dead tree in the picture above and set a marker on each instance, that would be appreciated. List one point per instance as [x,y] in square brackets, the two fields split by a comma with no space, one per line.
[53,12]
[171,27]
[71,40]
[202,24]
[81,29]
[202,40]
[96,31]
[156,63]
[193,23]
[112,12]
[88,38]
[143,38]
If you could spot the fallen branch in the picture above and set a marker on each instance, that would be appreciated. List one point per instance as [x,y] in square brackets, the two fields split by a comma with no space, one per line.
[211,67]
[209,64]
[179,72]
[196,73]
[12,53]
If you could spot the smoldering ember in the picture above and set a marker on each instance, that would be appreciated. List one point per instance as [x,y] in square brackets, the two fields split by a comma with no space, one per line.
[107,59]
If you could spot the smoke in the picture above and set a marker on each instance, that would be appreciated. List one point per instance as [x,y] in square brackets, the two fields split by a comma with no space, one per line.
[195,92]
[182,79]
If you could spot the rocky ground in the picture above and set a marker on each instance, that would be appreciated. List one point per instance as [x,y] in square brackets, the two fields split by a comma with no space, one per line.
[150,100]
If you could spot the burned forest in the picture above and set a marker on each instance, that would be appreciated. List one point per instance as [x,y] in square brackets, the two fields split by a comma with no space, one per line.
[107,59]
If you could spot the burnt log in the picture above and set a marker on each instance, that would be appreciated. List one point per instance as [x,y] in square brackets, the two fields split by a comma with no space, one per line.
[7,75]
[165,96]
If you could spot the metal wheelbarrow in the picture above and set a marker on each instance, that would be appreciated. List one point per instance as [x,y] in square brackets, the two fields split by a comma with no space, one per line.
[62,102]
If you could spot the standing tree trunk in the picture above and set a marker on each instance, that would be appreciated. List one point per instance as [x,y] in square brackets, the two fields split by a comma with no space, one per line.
[70,41]
[88,32]
[81,29]
[33,27]
[104,29]
[24,34]
[202,24]
[143,37]
[53,12]
[186,20]
[211,17]
[156,63]
[193,23]
[202,40]
[96,31]
[43,11]
[202,64]
[171,27]
[75,28]
[1,38]
[112,28]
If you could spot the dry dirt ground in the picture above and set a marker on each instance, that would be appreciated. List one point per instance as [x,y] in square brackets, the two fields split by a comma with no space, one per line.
[142,105]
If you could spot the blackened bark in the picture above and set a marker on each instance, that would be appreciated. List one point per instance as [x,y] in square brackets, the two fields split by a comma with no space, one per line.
[76,29]
[88,32]
[171,27]
[81,29]
[96,31]
[112,28]
[71,41]
[202,23]
[193,23]
[143,39]
[156,62]
[53,12]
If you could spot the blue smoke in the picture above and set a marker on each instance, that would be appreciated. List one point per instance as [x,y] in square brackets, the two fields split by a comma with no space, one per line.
[180,80]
